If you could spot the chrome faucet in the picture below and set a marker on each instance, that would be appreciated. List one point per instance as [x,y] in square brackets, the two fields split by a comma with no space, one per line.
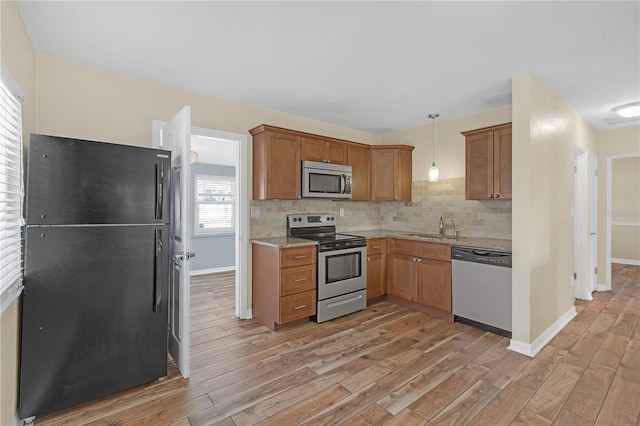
[455,232]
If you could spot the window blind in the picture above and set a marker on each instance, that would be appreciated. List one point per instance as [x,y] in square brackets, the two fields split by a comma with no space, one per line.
[11,188]
[214,206]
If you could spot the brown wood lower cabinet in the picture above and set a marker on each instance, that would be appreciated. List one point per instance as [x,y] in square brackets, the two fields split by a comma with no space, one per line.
[283,284]
[420,272]
[376,267]
[434,284]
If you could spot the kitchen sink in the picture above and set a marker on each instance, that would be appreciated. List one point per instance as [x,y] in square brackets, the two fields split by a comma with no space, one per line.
[435,236]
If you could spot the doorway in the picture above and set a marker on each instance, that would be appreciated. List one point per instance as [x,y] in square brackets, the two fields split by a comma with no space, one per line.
[238,144]
[623,212]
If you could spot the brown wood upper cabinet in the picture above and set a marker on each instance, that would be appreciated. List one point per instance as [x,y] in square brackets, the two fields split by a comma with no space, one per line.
[322,150]
[488,163]
[359,158]
[391,172]
[276,164]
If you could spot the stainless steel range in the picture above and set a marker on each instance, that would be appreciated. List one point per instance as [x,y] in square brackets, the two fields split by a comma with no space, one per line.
[341,266]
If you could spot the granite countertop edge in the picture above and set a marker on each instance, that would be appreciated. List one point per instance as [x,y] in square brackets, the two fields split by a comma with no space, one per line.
[283,242]
[485,243]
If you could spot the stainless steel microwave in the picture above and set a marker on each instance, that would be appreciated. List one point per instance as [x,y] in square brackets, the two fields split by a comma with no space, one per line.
[326,180]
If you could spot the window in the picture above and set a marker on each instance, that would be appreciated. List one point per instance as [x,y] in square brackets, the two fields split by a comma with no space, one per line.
[214,205]
[11,186]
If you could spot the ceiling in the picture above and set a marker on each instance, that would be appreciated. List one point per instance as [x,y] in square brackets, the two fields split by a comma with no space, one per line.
[374,66]
[214,150]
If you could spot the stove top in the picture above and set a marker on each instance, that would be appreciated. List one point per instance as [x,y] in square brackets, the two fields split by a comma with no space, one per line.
[321,228]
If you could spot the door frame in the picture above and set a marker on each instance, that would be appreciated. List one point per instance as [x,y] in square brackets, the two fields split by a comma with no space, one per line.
[609,214]
[582,279]
[242,309]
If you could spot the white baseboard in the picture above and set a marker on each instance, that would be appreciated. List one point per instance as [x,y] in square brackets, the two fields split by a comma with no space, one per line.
[248,314]
[213,270]
[536,346]
[602,287]
[626,261]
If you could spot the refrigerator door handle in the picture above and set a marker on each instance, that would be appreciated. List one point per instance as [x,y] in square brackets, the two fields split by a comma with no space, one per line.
[159,189]
[157,276]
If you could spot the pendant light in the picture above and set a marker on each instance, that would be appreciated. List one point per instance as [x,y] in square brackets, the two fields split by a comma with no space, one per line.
[434,173]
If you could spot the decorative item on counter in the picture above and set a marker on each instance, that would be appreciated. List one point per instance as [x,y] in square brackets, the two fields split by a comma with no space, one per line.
[434,173]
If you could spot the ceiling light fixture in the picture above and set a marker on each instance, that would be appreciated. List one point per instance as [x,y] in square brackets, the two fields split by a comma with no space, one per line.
[628,110]
[434,173]
[193,157]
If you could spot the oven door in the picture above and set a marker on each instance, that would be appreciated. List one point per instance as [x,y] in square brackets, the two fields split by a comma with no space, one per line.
[341,272]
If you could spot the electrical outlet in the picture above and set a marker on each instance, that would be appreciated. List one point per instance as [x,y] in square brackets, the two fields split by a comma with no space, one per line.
[341,211]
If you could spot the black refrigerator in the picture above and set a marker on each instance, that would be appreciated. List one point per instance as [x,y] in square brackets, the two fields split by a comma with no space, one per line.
[94,313]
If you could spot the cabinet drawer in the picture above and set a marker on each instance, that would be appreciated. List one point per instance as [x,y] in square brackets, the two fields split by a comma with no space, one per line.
[297,306]
[434,251]
[376,246]
[297,256]
[297,279]
[406,247]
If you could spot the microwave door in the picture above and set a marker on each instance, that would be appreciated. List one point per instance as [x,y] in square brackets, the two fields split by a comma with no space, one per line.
[346,185]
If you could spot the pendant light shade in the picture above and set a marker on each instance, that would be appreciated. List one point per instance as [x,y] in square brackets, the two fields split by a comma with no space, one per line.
[434,173]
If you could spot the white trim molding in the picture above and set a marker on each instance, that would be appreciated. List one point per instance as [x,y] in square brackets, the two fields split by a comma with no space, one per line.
[532,349]
[602,287]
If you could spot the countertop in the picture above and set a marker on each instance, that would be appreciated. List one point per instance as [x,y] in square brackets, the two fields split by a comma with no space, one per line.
[283,242]
[486,243]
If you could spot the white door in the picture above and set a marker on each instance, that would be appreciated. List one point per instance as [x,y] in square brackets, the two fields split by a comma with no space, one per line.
[176,137]
[593,224]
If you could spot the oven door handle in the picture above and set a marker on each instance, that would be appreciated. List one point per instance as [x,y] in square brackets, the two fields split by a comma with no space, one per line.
[344,302]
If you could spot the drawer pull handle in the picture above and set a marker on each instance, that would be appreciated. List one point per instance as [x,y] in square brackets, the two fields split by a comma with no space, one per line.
[300,257]
[375,246]
[344,302]
[299,280]
[299,307]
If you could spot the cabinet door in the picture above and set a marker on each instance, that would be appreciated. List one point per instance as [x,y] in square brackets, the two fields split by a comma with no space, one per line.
[402,276]
[315,149]
[312,149]
[336,152]
[382,171]
[502,164]
[479,166]
[376,270]
[434,284]
[283,166]
[403,175]
[359,158]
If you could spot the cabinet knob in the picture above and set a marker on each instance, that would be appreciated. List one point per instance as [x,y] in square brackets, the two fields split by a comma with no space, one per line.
[395,198]
[414,260]
[419,260]
[490,196]
[368,259]
[497,196]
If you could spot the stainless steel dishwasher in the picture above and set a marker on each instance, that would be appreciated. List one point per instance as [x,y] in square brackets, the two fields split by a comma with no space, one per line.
[481,288]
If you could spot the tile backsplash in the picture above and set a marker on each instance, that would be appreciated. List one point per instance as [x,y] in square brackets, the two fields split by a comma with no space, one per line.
[481,219]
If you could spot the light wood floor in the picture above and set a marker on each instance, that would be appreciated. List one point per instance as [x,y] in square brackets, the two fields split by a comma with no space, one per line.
[389,365]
